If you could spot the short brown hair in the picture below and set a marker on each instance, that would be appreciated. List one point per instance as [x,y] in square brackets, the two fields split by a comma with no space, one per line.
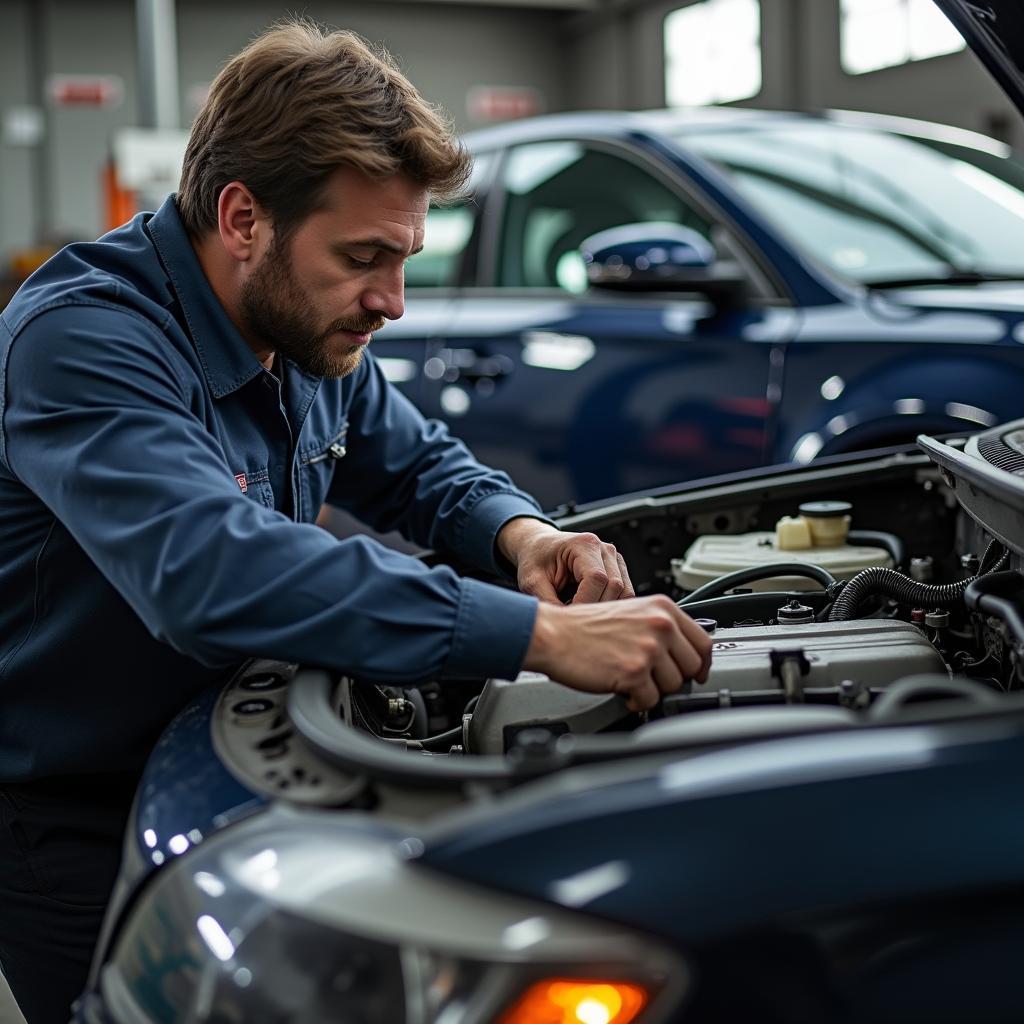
[295,105]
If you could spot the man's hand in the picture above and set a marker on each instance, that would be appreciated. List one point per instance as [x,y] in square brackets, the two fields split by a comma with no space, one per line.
[640,649]
[548,560]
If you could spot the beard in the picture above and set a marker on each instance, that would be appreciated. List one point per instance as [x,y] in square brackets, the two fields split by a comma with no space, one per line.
[278,313]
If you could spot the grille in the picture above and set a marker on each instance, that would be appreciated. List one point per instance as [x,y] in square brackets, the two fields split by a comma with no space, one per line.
[996,451]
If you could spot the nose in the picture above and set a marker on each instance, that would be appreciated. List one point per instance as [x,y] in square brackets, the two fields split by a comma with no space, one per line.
[386,294]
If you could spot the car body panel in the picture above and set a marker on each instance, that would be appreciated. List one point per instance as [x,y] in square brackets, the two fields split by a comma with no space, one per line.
[401,346]
[994,30]
[186,791]
[741,836]
[618,392]
[583,395]
[834,820]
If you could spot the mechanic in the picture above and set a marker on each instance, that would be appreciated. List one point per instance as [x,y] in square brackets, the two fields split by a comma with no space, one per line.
[177,400]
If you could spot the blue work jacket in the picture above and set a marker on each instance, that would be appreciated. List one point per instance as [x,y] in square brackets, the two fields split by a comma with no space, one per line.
[158,491]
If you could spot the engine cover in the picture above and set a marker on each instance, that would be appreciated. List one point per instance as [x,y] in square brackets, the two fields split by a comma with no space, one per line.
[826,661]
[835,663]
[532,700]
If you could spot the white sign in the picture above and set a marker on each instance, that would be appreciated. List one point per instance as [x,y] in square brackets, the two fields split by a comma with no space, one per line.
[149,161]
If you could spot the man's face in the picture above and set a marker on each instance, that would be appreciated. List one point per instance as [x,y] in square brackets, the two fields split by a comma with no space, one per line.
[318,296]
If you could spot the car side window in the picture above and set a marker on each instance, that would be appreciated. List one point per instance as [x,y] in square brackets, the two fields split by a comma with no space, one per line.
[447,234]
[559,193]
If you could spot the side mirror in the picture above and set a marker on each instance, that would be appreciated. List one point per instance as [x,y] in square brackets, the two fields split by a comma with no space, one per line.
[660,257]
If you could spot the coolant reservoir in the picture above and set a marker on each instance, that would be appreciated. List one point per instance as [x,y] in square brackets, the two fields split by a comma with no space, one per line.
[817,536]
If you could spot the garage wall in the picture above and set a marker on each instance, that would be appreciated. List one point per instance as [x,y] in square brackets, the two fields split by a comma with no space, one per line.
[635,79]
[575,53]
[94,38]
[446,49]
[618,56]
[17,162]
[955,89]
[598,63]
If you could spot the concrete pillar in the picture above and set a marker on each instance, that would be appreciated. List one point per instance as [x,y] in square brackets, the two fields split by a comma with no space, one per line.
[158,64]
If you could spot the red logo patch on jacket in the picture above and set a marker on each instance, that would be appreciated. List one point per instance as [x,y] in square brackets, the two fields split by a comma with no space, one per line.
[240,480]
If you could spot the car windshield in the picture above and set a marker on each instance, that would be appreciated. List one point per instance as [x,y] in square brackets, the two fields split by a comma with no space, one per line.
[881,206]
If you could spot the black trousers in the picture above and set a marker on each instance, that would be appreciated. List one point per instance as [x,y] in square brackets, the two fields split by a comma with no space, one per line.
[60,846]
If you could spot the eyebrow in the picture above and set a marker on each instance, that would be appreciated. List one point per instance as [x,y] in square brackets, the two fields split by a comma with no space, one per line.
[374,243]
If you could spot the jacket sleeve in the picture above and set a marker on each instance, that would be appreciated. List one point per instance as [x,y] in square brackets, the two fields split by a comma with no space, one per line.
[407,473]
[98,420]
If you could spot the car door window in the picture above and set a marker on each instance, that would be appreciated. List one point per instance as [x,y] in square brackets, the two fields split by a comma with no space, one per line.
[559,193]
[447,234]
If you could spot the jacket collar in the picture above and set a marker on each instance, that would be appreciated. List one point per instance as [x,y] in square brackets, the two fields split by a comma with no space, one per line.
[228,361]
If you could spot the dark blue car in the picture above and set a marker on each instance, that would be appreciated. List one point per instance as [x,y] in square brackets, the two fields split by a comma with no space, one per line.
[861,280]
[830,830]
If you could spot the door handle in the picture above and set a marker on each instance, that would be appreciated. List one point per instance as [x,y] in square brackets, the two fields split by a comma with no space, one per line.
[474,367]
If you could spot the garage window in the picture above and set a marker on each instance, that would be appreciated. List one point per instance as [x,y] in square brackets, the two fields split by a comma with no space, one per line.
[883,33]
[713,52]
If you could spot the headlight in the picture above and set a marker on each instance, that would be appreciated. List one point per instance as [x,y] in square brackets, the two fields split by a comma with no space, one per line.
[295,916]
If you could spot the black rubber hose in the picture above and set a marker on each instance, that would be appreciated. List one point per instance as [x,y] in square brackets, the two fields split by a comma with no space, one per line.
[440,741]
[905,693]
[877,539]
[758,572]
[889,583]
[759,604]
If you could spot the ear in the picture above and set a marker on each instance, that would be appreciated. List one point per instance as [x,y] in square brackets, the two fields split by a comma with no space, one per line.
[242,223]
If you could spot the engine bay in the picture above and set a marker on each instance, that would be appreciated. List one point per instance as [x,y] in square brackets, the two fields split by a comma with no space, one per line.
[913,609]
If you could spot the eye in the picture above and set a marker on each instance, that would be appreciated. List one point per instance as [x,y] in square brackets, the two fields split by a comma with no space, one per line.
[360,264]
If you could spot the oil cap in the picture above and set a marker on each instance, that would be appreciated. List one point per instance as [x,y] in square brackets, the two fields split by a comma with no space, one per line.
[708,625]
[794,614]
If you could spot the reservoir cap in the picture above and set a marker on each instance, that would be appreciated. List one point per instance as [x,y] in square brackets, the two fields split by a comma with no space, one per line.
[826,509]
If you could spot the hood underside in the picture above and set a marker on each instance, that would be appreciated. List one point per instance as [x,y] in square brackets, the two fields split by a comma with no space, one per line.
[994,30]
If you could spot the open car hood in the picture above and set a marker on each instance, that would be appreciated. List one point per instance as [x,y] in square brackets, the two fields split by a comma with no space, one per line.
[987,476]
[994,30]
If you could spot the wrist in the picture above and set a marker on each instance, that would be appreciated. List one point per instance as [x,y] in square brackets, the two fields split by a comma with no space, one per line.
[517,532]
[543,639]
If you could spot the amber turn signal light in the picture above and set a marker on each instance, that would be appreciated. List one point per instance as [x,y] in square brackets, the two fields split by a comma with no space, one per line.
[577,1001]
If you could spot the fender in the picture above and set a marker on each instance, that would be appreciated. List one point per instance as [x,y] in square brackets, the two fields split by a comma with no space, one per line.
[786,824]
[891,402]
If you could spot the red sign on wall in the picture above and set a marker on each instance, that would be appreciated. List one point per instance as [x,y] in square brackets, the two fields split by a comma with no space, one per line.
[503,102]
[85,90]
